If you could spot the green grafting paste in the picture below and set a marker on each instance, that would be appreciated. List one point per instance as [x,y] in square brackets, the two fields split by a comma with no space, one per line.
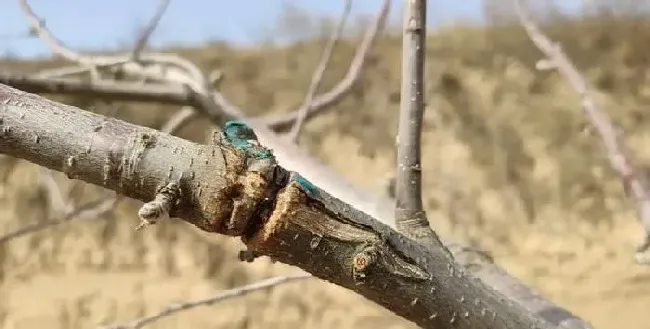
[243,137]
[310,188]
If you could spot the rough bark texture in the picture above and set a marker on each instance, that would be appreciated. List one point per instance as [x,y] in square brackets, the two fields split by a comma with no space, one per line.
[134,161]
[239,180]
[351,249]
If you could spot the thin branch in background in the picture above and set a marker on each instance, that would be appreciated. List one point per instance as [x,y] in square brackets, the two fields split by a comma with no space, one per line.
[144,36]
[186,73]
[219,297]
[76,69]
[37,26]
[89,210]
[158,64]
[326,100]
[319,73]
[634,181]
[410,217]
[179,120]
[57,202]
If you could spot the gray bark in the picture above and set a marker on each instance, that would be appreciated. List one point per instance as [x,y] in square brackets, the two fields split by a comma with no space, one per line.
[410,217]
[137,162]
[234,187]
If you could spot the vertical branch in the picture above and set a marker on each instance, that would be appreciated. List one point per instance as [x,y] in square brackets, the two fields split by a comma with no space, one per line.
[409,212]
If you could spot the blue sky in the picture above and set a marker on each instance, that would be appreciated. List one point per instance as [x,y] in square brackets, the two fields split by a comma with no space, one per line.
[92,24]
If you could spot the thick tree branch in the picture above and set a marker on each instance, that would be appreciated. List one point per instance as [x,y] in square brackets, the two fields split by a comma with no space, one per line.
[235,188]
[214,105]
[620,158]
[286,152]
[292,157]
[107,152]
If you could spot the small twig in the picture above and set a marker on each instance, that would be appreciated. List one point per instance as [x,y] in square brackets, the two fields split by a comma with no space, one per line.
[87,211]
[410,217]
[186,73]
[143,39]
[179,119]
[189,73]
[57,202]
[219,297]
[74,70]
[634,181]
[38,27]
[158,209]
[318,74]
[328,99]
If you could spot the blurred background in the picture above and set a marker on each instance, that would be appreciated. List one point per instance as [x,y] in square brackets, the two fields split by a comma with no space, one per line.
[510,162]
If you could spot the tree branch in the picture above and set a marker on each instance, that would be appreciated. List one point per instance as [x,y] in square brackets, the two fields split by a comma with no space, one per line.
[144,36]
[318,74]
[293,158]
[214,105]
[330,98]
[179,119]
[89,210]
[218,297]
[620,158]
[106,152]
[174,94]
[235,188]
[410,217]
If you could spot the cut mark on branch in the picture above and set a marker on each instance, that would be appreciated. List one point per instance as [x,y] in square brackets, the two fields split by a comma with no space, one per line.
[244,138]
[135,151]
[293,205]
[252,174]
